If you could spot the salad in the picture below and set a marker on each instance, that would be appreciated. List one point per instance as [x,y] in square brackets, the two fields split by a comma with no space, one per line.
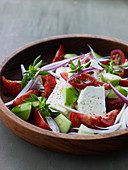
[75,94]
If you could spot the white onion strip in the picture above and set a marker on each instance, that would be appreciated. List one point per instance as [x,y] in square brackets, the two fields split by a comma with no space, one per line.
[22,69]
[89,130]
[120,114]
[98,61]
[58,64]
[53,125]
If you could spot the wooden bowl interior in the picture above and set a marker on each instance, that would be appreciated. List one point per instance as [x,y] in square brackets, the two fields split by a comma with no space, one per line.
[47,49]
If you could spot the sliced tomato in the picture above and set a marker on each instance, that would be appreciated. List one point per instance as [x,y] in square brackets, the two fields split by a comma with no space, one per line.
[114,103]
[118,54]
[89,120]
[109,118]
[49,85]
[13,87]
[59,54]
[126,61]
[123,83]
[19,100]
[40,121]
[81,81]
[105,62]
[106,85]
[93,121]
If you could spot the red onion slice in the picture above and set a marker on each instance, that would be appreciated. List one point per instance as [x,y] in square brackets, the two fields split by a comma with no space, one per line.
[121,96]
[52,124]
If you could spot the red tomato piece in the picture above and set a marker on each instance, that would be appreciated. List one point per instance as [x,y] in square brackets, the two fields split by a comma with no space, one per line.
[49,85]
[59,54]
[40,121]
[106,85]
[124,74]
[109,118]
[89,120]
[19,100]
[13,87]
[80,81]
[93,121]
[123,83]
[114,103]
[119,55]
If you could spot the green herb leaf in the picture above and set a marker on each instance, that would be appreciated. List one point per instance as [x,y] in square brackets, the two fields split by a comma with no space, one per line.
[29,100]
[88,64]
[34,97]
[38,64]
[43,106]
[36,60]
[24,81]
[30,73]
[43,73]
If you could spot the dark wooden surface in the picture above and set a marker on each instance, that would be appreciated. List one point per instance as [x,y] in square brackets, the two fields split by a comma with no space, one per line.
[24,21]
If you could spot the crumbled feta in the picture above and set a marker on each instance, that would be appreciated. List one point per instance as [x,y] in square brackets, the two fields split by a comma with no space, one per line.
[92,101]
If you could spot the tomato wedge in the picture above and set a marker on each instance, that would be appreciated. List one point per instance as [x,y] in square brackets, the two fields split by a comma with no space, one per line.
[109,118]
[13,87]
[106,85]
[118,54]
[114,103]
[19,100]
[59,54]
[93,121]
[123,83]
[49,85]
[89,120]
[80,81]
[39,120]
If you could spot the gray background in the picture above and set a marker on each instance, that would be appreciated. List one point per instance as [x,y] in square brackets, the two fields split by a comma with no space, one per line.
[24,21]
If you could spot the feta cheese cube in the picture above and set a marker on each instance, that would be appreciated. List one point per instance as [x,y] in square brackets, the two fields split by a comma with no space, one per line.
[57,97]
[92,101]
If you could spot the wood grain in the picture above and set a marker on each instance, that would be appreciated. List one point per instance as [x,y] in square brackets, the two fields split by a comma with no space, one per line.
[64,143]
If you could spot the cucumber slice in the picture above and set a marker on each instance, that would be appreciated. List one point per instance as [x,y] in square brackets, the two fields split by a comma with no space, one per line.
[63,123]
[114,79]
[23,110]
[112,94]
[71,96]
[85,128]
[67,56]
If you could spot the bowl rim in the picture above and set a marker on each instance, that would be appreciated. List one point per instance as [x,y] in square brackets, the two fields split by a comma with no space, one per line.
[4,111]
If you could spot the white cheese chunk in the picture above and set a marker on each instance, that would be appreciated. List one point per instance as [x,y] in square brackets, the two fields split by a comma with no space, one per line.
[57,97]
[92,101]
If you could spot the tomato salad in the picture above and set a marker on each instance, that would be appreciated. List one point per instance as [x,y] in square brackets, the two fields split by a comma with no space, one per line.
[75,94]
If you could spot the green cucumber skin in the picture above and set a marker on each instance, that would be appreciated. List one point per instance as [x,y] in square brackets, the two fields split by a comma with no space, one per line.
[23,110]
[112,94]
[63,123]
[71,96]
[106,77]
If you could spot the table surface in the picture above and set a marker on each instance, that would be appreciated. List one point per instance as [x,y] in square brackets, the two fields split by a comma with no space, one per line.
[24,21]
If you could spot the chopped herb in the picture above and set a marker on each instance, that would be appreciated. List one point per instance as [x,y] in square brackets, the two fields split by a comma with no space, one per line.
[110,68]
[32,70]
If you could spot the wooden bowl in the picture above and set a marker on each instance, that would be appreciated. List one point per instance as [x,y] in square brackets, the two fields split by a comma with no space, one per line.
[58,142]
